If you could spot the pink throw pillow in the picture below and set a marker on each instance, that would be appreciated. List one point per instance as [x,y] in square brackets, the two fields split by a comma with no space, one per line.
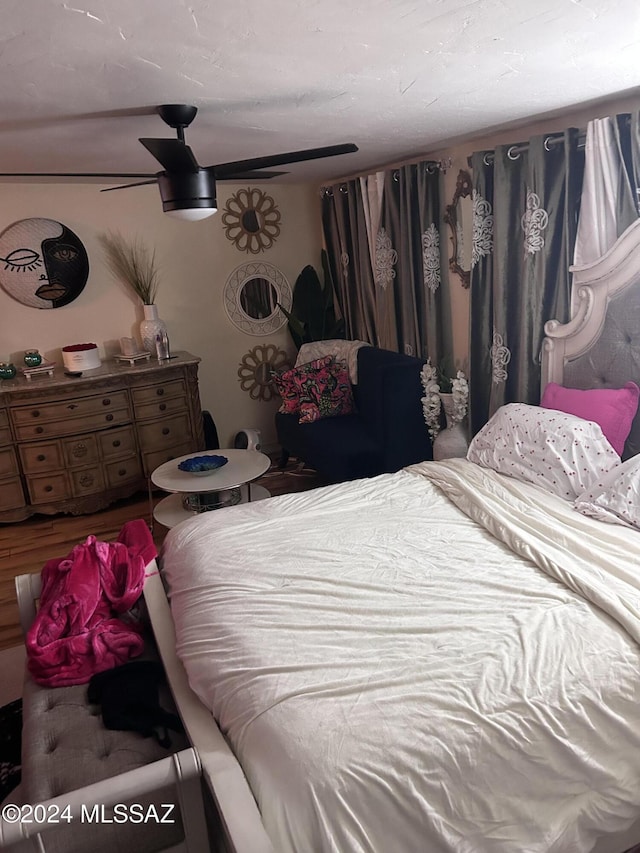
[327,394]
[291,383]
[613,409]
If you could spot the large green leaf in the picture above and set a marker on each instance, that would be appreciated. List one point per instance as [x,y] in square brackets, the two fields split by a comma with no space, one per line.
[312,316]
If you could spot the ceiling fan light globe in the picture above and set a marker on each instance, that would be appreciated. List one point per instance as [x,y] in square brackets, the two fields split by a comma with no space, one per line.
[188,196]
[191,214]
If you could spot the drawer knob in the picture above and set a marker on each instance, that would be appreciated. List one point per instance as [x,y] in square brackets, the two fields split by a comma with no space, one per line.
[35,413]
[162,407]
[39,430]
[122,472]
[166,431]
[116,443]
[72,406]
[48,488]
[159,391]
[106,401]
[109,418]
[41,457]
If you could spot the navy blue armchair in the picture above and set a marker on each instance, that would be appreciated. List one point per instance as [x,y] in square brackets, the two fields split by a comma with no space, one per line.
[386,432]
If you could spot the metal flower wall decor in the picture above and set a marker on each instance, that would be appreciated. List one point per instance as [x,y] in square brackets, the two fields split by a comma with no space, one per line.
[251,220]
[256,367]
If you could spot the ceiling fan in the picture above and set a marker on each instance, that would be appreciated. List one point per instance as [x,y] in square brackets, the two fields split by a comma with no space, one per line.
[188,190]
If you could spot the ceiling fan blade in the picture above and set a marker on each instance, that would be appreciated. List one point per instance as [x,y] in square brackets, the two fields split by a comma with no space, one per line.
[172,154]
[252,175]
[224,169]
[126,186]
[74,175]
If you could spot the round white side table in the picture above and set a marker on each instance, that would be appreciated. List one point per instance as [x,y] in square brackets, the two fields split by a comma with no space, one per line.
[195,493]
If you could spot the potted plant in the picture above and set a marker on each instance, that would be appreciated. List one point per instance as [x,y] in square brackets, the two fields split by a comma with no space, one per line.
[135,265]
[312,316]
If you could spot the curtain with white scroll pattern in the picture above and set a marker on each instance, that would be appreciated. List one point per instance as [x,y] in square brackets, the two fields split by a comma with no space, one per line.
[525,211]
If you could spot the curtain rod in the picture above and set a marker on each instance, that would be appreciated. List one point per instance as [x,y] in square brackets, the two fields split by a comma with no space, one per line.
[514,151]
[430,166]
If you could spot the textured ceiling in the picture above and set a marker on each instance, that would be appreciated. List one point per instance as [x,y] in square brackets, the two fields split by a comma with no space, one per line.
[79,81]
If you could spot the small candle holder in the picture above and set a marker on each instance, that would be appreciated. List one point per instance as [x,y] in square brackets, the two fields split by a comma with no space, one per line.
[32,358]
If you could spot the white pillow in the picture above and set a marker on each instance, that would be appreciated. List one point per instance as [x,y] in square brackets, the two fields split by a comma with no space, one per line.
[561,453]
[616,496]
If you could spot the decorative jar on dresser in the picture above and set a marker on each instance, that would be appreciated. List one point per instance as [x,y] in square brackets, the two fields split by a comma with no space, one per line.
[77,444]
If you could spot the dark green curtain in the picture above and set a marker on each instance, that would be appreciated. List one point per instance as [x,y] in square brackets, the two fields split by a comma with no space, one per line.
[382,235]
[526,204]
[347,244]
[627,134]
[410,229]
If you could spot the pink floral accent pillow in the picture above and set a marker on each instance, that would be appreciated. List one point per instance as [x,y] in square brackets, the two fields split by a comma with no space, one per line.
[561,453]
[290,383]
[318,389]
[327,394]
[613,408]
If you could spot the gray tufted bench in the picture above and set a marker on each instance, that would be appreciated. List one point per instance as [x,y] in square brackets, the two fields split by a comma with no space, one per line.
[70,759]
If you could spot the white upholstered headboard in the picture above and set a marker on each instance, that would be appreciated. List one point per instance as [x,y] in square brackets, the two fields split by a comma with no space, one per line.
[600,345]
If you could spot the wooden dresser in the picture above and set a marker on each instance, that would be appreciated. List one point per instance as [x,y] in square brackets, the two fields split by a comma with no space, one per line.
[76,444]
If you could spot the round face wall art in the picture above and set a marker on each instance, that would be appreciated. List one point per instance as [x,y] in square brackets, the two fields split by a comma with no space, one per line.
[43,264]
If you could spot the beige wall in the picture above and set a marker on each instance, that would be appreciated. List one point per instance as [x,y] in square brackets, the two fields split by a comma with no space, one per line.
[195,260]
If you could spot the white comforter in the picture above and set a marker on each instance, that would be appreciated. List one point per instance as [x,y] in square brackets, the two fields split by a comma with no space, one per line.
[393,678]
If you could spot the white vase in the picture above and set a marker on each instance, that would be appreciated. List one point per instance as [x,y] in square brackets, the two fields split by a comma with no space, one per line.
[150,328]
[452,441]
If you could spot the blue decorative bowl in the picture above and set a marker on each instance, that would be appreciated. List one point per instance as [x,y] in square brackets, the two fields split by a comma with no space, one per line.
[202,464]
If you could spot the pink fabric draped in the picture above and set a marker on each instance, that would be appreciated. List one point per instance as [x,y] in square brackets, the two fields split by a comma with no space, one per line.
[77,631]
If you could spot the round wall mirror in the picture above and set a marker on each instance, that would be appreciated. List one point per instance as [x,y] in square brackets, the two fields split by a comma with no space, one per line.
[258,298]
[459,218]
[252,294]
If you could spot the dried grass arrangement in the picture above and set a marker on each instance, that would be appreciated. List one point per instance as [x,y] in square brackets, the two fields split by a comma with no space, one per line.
[134,264]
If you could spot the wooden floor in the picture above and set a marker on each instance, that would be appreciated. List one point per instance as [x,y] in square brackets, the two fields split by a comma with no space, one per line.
[26,546]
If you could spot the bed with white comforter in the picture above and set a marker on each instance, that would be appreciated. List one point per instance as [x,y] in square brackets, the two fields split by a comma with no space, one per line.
[441,659]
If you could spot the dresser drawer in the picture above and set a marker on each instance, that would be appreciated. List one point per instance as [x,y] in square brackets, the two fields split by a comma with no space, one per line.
[8,462]
[5,436]
[158,408]
[75,407]
[49,487]
[11,494]
[151,393]
[86,481]
[115,443]
[164,433]
[123,471]
[41,457]
[80,450]
[72,425]
[4,419]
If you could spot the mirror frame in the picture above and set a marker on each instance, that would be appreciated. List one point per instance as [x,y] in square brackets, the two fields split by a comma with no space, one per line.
[233,304]
[463,190]
[256,367]
[264,208]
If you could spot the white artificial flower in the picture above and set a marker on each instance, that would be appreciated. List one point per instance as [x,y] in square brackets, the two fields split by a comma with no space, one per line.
[431,402]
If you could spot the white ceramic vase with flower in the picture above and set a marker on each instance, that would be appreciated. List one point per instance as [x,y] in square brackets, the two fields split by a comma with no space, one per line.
[135,265]
[451,441]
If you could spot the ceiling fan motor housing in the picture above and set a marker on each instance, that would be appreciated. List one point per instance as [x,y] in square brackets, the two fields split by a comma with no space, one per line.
[187,190]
